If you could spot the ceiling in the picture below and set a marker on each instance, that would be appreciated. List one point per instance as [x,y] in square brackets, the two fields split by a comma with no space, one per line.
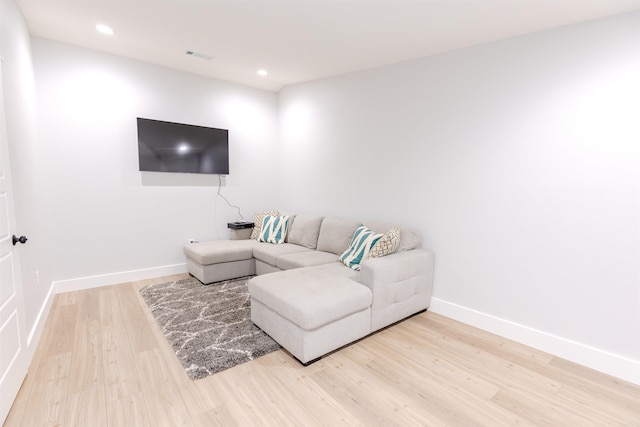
[297,40]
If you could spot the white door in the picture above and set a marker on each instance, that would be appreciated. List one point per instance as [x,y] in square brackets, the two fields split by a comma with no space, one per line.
[13,336]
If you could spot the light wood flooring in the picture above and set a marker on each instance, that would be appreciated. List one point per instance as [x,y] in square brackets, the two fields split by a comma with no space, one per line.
[102,360]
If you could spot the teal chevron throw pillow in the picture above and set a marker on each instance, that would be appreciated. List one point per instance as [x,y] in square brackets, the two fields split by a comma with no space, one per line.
[361,243]
[274,229]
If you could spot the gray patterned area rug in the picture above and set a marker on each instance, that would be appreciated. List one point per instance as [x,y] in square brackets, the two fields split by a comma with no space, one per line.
[208,326]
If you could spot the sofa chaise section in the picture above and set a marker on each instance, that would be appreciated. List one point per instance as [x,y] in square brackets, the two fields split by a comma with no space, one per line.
[311,311]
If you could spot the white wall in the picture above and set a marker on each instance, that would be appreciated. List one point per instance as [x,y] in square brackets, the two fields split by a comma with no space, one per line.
[106,221]
[520,163]
[19,91]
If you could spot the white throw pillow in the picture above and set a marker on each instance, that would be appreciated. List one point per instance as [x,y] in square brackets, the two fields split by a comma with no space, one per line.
[274,229]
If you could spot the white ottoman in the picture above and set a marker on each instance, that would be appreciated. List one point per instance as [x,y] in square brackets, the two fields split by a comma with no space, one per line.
[311,311]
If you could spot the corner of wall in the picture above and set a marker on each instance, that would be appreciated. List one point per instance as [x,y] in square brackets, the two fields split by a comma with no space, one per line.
[605,362]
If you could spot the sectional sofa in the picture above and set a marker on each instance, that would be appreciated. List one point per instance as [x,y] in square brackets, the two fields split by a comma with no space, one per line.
[311,293]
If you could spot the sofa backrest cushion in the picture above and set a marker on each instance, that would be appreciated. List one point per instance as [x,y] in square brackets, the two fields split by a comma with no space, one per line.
[292,218]
[335,234]
[410,237]
[305,230]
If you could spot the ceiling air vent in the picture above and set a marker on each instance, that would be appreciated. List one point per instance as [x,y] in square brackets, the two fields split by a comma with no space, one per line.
[199,55]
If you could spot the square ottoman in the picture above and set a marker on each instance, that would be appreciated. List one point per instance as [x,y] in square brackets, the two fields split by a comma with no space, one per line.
[219,260]
[311,311]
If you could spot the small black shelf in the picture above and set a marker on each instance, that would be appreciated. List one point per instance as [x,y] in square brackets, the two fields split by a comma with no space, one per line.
[240,225]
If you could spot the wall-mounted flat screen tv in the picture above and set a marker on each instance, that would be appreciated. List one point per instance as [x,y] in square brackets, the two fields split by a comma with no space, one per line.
[177,147]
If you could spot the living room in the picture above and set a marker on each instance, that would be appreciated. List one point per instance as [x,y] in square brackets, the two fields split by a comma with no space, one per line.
[516,159]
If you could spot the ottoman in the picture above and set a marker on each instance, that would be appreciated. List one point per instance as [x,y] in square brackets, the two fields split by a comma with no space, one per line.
[219,260]
[311,311]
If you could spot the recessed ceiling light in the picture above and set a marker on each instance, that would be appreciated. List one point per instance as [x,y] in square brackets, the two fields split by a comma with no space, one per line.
[262,72]
[199,55]
[104,29]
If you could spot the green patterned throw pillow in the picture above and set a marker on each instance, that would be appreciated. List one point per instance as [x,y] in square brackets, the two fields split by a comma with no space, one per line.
[387,244]
[274,229]
[361,243]
[257,222]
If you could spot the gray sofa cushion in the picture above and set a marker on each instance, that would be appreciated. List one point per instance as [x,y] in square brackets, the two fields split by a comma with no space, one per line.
[217,251]
[335,234]
[304,231]
[292,218]
[311,297]
[305,259]
[268,252]
[410,237]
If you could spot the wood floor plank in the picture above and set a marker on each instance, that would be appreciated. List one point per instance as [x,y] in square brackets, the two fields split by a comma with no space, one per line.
[549,410]
[290,399]
[372,396]
[580,387]
[126,411]
[102,360]
[58,337]
[87,352]
[164,403]
[47,404]
[141,336]
[298,387]
[216,417]
[87,408]
[118,361]
[235,392]
[492,368]
[20,403]
[432,365]
[493,344]
[608,406]
[432,397]
[197,399]
[585,376]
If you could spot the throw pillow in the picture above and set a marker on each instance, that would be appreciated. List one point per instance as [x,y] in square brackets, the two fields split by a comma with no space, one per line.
[274,229]
[387,244]
[361,243]
[257,222]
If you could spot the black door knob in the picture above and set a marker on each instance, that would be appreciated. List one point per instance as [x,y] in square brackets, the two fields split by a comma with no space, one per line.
[21,239]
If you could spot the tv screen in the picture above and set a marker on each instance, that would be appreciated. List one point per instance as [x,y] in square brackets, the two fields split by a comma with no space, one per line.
[177,147]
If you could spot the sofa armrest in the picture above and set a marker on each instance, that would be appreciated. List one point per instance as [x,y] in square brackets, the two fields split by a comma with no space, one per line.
[401,284]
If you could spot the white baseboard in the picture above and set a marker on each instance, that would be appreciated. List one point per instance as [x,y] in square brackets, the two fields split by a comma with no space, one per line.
[38,326]
[115,278]
[608,363]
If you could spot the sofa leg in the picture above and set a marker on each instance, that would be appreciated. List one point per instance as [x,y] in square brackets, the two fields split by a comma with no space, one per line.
[358,340]
[310,361]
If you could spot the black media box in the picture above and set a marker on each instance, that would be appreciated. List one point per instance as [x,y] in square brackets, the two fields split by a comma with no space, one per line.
[239,225]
